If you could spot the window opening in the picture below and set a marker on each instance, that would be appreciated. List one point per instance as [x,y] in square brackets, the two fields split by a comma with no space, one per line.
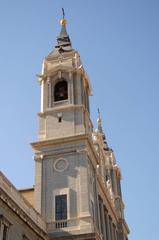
[92,209]
[5,230]
[61,207]
[4,227]
[60,119]
[61,91]
[25,237]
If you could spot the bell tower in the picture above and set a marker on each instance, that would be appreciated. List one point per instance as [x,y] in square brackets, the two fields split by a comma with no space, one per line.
[65,90]
[61,186]
[77,181]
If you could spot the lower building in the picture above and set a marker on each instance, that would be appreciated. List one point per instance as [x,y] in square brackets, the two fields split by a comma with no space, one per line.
[18,219]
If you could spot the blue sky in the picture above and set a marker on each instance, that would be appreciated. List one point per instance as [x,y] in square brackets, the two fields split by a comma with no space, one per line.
[119,46]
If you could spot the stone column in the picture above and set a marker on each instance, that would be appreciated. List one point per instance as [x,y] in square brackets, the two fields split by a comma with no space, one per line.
[113,230]
[1,231]
[115,182]
[71,90]
[99,219]
[115,235]
[49,93]
[107,225]
[103,221]
[96,202]
[38,183]
[42,96]
[110,227]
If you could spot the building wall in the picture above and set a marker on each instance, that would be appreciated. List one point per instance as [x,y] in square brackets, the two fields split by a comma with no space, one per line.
[64,171]
[18,229]
[18,216]
[28,194]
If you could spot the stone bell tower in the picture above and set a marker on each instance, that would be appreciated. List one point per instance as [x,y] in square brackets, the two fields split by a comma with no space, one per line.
[74,190]
[65,90]
[64,129]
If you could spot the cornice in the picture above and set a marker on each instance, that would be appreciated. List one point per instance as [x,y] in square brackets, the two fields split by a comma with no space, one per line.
[54,154]
[61,108]
[66,108]
[50,142]
[86,236]
[57,56]
[62,68]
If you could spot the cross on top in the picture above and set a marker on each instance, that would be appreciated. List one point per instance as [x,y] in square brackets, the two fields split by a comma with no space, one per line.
[63,13]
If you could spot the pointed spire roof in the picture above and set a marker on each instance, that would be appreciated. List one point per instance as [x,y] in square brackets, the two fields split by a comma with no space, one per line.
[63,23]
[63,32]
[63,41]
[99,121]
[100,130]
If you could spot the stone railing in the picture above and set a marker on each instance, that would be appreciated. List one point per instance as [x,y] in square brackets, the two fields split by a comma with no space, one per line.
[19,200]
[60,103]
[68,224]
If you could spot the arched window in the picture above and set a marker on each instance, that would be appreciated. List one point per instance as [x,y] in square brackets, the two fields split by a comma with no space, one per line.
[61,91]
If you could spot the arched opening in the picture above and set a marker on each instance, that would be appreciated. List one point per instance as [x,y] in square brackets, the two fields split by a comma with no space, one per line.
[61,91]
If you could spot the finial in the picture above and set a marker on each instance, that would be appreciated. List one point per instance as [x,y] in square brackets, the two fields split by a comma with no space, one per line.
[99,120]
[63,21]
[63,13]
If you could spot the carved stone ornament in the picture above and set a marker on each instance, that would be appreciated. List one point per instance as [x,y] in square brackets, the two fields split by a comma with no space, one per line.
[60,165]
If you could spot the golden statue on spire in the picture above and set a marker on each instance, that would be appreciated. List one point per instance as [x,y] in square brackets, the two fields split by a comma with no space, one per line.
[63,21]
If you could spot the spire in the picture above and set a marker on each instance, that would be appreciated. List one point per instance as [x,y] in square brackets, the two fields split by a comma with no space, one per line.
[63,23]
[100,129]
[63,40]
[99,121]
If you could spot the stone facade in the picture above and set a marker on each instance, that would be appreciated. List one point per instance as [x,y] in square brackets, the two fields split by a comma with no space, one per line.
[28,194]
[77,180]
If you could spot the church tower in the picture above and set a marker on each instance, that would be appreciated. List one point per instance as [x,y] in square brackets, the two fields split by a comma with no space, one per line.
[77,180]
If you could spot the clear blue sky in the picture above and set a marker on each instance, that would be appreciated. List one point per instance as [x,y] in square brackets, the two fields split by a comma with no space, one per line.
[119,45]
